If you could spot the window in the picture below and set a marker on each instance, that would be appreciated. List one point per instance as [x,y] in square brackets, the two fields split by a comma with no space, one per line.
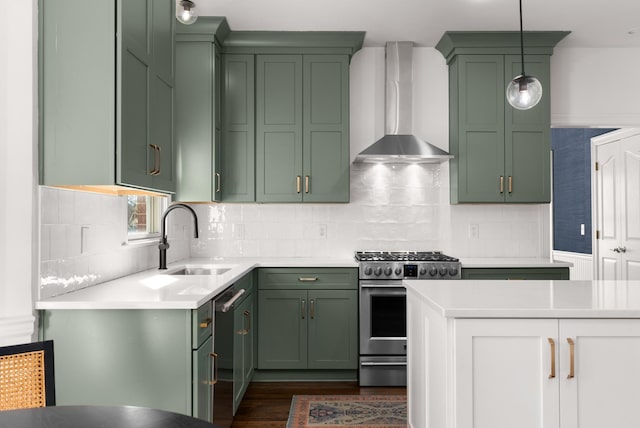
[144,214]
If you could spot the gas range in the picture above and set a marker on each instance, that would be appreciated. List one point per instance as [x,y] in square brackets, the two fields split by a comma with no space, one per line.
[398,265]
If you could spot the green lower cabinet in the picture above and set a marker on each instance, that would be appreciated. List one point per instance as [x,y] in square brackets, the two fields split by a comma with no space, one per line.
[243,348]
[308,329]
[135,357]
[515,273]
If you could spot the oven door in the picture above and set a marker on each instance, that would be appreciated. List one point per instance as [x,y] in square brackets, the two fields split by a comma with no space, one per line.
[383,318]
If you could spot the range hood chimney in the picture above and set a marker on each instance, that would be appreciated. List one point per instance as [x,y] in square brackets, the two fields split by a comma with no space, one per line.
[399,145]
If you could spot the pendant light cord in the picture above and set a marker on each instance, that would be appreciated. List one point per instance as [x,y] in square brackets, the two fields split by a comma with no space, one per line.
[521,40]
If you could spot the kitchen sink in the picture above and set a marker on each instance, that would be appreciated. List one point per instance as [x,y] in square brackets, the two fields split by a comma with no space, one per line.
[200,271]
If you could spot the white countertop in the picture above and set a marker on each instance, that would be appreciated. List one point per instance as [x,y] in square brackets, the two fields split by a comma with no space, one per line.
[530,299]
[507,262]
[154,289]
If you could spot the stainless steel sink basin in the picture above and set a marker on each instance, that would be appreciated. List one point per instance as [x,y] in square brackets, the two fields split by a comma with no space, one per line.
[200,271]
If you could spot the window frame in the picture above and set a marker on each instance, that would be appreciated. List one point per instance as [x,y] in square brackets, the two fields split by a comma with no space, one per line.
[155,206]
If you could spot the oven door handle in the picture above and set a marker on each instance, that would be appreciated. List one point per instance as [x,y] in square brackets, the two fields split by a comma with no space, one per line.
[369,284]
[384,363]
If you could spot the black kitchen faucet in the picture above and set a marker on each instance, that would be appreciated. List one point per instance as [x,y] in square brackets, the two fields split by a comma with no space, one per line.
[164,244]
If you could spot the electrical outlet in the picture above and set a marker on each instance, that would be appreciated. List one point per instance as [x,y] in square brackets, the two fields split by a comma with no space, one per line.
[474,231]
[322,231]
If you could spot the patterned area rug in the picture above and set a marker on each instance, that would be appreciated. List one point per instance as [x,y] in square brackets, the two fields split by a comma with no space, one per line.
[333,411]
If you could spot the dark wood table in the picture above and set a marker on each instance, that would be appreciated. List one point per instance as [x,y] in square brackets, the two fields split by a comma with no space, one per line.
[97,417]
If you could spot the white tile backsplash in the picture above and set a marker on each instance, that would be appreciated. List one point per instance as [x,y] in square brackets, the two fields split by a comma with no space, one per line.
[393,207]
[84,240]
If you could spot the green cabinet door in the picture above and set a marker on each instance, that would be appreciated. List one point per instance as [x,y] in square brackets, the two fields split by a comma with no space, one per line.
[333,329]
[195,114]
[279,128]
[237,167]
[325,147]
[145,113]
[528,138]
[202,376]
[244,352]
[282,320]
[515,273]
[479,110]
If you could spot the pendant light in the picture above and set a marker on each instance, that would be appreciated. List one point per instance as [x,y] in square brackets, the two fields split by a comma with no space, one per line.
[523,92]
[186,13]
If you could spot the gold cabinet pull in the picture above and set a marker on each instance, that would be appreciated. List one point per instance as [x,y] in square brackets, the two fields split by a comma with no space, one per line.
[552,345]
[247,324]
[572,358]
[307,278]
[510,184]
[215,369]
[218,180]
[154,171]
[205,323]
[306,184]
[303,308]
[298,183]
[312,308]
[158,149]
[502,184]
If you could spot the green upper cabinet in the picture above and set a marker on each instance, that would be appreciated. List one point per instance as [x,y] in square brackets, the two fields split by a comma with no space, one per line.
[106,93]
[302,131]
[501,155]
[238,142]
[197,109]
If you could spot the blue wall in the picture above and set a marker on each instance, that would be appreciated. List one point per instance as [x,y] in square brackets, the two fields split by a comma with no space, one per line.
[572,187]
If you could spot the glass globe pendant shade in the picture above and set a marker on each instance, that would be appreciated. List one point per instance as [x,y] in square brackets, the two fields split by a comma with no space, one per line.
[524,92]
[186,13]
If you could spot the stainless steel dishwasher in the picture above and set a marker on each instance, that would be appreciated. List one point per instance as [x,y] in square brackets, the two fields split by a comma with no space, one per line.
[223,337]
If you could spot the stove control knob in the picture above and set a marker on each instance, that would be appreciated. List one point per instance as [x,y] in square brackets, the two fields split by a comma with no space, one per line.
[423,271]
[443,270]
[398,271]
[388,271]
[453,270]
[378,271]
[368,270]
[433,271]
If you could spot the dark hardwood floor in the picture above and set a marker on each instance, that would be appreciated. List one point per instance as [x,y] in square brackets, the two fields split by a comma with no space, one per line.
[267,404]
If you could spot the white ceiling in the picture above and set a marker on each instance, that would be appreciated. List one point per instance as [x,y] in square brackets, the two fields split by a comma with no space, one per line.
[593,23]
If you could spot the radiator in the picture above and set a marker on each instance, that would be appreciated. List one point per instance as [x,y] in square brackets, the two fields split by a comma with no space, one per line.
[582,264]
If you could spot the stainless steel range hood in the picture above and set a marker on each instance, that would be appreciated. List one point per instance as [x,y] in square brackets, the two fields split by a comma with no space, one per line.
[399,145]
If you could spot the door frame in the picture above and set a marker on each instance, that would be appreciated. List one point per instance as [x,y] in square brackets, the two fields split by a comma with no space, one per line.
[608,138]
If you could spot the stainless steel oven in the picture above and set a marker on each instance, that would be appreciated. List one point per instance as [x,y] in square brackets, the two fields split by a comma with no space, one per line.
[383,309]
[383,333]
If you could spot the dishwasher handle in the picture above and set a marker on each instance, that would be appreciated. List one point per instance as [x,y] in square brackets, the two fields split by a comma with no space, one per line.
[228,304]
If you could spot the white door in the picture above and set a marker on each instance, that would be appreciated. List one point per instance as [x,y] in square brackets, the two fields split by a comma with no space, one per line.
[616,204]
[506,373]
[603,391]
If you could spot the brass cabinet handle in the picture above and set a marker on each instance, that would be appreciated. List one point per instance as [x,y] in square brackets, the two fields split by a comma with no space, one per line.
[502,184]
[205,323]
[510,184]
[306,184]
[298,183]
[312,308]
[218,180]
[308,279]
[215,369]
[303,309]
[154,171]
[247,324]
[572,358]
[552,345]
[158,149]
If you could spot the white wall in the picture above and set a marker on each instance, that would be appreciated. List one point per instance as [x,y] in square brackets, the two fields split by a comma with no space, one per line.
[18,173]
[595,87]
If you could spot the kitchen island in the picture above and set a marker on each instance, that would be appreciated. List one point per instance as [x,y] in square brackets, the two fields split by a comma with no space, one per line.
[523,353]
